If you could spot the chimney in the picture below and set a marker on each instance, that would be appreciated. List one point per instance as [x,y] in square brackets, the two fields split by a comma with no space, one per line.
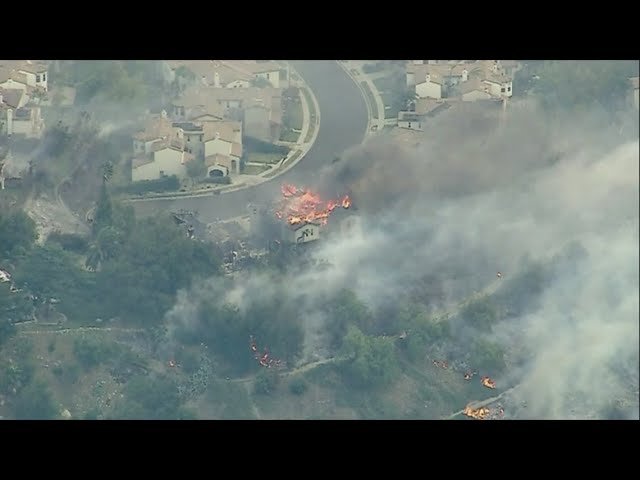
[428,77]
[465,75]
[216,80]
[163,114]
[217,135]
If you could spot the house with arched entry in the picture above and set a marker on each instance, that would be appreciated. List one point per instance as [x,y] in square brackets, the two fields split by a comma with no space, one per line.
[222,148]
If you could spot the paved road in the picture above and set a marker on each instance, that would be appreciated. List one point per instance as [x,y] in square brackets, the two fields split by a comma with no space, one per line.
[344,117]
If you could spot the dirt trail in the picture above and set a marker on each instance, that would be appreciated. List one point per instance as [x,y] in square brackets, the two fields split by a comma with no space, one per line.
[80,330]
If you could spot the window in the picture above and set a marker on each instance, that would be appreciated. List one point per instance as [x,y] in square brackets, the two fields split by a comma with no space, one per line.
[38,78]
[189,137]
[409,124]
[162,173]
[502,90]
[201,137]
[508,89]
[44,77]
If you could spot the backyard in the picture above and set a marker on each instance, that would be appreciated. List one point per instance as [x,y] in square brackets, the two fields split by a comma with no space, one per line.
[293,117]
[391,90]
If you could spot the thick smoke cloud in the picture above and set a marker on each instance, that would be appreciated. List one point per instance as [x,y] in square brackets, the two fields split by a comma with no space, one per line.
[474,195]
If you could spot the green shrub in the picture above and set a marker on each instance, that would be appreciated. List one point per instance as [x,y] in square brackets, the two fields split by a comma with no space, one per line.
[298,386]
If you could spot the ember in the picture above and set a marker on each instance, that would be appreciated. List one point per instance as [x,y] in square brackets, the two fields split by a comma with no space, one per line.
[487,382]
[265,359]
[477,413]
[303,205]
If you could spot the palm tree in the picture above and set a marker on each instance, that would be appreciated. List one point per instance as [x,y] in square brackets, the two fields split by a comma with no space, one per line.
[106,246]
[107,172]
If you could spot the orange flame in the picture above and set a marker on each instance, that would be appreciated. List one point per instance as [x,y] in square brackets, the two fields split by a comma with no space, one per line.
[303,205]
[477,413]
[487,382]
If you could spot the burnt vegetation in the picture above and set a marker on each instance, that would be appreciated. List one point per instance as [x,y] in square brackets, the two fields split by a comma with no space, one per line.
[399,302]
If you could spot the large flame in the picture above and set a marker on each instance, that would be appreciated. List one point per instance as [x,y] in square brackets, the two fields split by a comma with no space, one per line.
[303,205]
[488,382]
[477,413]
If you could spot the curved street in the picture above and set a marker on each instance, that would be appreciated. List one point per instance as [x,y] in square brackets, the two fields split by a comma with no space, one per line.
[343,124]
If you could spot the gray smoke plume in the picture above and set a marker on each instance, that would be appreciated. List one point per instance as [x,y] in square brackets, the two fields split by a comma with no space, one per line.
[474,195]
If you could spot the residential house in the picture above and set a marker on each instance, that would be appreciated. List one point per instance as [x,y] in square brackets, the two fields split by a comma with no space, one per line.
[222,148]
[474,89]
[432,87]
[212,73]
[424,109]
[492,73]
[25,72]
[167,157]
[156,129]
[509,67]
[17,117]
[303,232]
[439,79]
[634,86]
[263,116]
[265,69]
[260,109]
[197,103]
[196,134]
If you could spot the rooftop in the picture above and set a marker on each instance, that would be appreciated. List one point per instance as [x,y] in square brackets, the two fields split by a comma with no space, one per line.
[155,127]
[634,82]
[429,106]
[11,96]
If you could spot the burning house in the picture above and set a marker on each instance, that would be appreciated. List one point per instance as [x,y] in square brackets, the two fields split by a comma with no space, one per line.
[297,218]
[302,232]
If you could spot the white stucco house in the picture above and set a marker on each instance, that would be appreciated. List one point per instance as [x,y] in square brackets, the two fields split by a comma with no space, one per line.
[23,73]
[166,158]
[474,89]
[499,85]
[303,232]
[222,148]
[431,87]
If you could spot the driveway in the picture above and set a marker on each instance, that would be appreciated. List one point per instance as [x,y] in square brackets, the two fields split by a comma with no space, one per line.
[343,123]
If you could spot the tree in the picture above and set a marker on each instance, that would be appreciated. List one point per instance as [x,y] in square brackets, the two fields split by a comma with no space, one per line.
[481,313]
[14,306]
[371,360]
[106,246]
[35,402]
[104,210]
[345,309]
[17,229]
[107,171]
[298,386]
[151,398]
[91,352]
[488,356]
[266,382]
[196,169]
